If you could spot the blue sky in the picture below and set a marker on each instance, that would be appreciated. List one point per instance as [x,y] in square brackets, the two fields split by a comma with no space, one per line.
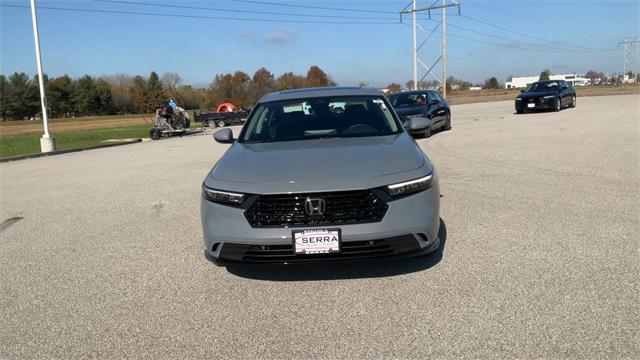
[78,43]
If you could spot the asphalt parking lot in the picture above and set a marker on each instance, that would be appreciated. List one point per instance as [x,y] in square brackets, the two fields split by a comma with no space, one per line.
[102,254]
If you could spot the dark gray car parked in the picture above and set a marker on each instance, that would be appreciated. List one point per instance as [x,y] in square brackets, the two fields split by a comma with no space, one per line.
[320,174]
[423,111]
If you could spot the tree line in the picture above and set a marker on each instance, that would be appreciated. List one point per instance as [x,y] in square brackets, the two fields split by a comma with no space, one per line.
[126,94]
[453,84]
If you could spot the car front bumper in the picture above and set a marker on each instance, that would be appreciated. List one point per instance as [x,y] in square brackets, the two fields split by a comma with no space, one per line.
[538,104]
[410,227]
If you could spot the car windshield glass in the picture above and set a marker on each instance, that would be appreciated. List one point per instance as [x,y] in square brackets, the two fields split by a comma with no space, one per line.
[542,86]
[313,118]
[407,100]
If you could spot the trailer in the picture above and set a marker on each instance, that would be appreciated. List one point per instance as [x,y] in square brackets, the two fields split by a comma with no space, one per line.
[220,119]
[169,120]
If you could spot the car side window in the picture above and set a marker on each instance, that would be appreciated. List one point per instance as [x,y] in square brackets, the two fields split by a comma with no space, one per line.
[431,97]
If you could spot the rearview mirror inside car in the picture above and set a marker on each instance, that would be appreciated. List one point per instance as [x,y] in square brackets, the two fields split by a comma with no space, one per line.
[224,136]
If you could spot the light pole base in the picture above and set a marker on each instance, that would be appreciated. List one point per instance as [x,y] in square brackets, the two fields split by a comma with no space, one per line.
[47,143]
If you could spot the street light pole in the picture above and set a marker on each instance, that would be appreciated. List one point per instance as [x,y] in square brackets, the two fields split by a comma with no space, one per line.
[415,50]
[444,49]
[47,142]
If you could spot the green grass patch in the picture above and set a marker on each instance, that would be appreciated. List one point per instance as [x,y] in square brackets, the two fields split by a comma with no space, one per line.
[86,118]
[25,144]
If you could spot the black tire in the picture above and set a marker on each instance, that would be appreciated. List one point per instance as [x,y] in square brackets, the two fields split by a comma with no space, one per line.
[186,123]
[221,123]
[520,111]
[558,105]
[427,132]
[447,123]
[155,133]
[573,101]
[211,123]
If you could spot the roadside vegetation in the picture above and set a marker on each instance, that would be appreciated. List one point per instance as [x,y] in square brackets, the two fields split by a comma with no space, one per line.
[125,94]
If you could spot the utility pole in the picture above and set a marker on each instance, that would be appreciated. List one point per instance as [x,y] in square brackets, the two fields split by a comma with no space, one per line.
[413,11]
[444,49]
[415,50]
[47,142]
[631,55]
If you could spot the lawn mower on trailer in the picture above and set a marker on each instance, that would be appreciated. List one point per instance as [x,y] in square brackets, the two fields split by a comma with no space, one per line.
[169,120]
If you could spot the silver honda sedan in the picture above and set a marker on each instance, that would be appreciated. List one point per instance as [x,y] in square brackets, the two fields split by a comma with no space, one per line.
[320,174]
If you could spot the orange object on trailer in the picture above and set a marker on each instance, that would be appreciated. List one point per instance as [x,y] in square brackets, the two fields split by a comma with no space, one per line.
[226,107]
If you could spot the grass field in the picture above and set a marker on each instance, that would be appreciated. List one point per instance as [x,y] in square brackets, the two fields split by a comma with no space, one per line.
[24,144]
[9,128]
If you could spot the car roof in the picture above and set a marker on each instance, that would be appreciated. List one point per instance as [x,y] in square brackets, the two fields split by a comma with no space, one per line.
[411,92]
[320,92]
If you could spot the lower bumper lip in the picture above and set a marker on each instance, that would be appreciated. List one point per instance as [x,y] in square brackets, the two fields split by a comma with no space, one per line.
[396,247]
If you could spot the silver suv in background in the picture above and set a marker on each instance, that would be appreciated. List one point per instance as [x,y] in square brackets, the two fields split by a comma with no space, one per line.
[320,174]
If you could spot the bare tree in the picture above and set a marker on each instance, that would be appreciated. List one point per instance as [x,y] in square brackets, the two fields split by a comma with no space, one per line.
[171,81]
[544,75]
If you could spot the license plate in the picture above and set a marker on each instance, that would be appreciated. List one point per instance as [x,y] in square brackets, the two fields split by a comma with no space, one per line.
[531,105]
[316,241]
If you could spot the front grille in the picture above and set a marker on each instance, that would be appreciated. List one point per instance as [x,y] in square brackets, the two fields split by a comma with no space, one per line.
[342,208]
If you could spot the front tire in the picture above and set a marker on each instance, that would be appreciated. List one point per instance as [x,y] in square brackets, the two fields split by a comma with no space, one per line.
[155,133]
[573,101]
[427,132]
[447,123]
[558,105]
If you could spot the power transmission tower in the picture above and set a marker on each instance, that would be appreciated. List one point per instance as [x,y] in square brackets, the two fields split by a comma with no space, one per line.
[413,9]
[631,55]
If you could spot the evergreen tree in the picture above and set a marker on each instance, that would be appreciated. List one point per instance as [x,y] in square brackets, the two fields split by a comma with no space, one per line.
[154,93]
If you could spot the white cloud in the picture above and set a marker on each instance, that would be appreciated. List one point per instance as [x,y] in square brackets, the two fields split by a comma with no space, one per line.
[281,36]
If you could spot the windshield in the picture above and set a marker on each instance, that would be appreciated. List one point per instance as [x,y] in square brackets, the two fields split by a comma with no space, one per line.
[408,100]
[542,87]
[313,118]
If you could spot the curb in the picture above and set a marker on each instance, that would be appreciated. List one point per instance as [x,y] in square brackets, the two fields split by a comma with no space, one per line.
[66,151]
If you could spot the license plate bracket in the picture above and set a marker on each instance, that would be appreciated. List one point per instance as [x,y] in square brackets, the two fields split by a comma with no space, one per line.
[316,241]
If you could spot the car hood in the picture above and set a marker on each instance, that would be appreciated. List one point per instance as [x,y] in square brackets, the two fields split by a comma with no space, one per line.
[408,111]
[318,165]
[528,95]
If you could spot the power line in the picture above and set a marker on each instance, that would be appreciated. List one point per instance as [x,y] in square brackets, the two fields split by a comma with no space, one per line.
[528,43]
[291,21]
[239,11]
[530,36]
[493,43]
[202,16]
[313,7]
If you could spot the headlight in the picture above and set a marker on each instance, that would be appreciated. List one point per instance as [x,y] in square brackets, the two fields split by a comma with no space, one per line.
[549,97]
[222,197]
[409,187]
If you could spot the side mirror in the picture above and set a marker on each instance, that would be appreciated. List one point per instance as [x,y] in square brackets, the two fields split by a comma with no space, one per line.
[522,90]
[224,136]
[406,122]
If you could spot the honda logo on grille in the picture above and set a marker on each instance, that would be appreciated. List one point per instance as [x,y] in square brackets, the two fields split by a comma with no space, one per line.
[314,206]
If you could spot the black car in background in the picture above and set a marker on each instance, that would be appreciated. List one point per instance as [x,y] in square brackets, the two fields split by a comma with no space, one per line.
[546,95]
[422,111]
